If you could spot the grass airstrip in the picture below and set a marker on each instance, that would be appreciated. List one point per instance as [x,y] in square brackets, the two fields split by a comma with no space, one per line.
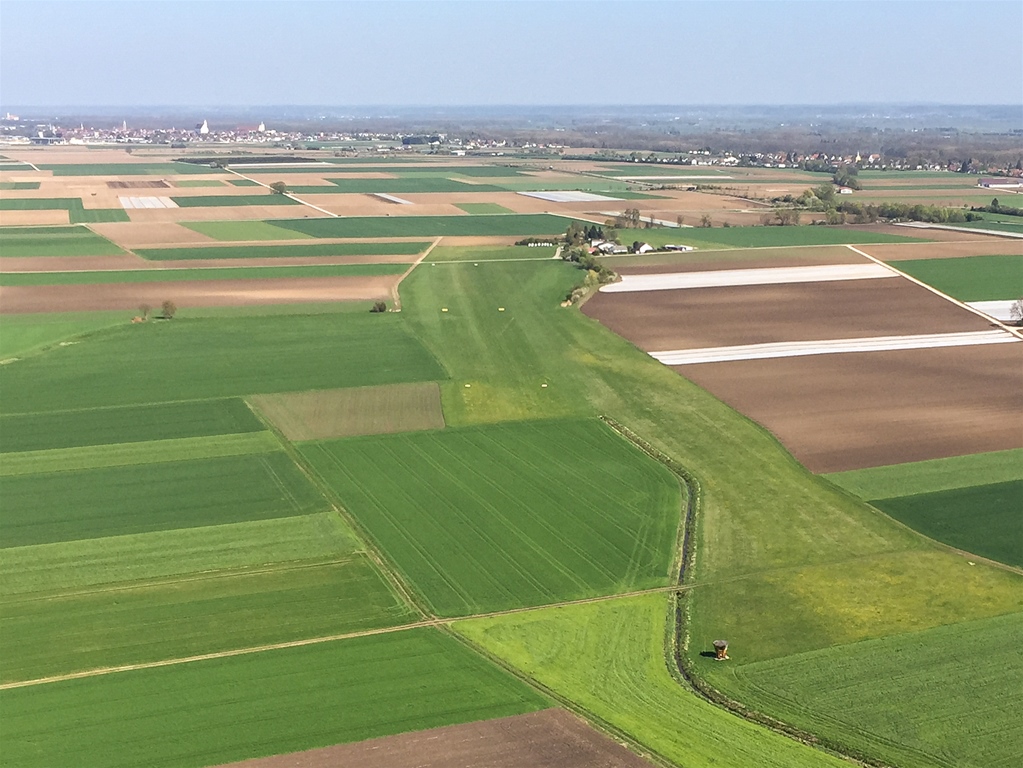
[329,482]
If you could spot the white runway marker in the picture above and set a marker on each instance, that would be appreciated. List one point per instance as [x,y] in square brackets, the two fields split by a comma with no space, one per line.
[670,281]
[831,347]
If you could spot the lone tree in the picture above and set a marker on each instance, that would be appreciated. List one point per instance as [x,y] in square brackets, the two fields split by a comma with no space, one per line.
[144,310]
[1016,312]
[279,188]
[378,306]
[169,308]
[705,221]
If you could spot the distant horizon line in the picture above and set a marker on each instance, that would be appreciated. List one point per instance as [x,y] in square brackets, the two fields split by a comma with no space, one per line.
[604,105]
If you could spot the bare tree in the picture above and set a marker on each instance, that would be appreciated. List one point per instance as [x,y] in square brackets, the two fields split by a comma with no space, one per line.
[144,310]
[705,221]
[1016,311]
[169,309]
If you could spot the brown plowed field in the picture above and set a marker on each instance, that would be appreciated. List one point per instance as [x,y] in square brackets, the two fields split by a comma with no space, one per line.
[745,258]
[870,409]
[951,250]
[209,293]
[149,234]
[33,218]
[756,314]
[128,261]
[552,738]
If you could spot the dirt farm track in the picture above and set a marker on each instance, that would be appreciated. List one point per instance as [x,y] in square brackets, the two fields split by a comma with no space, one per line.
[552,738]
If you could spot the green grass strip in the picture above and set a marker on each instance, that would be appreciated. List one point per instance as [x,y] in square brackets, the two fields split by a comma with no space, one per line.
[242,230]
[231,201]
[284,251]
[930,476]
[199,183]
[223,273]
[972,278]
[177,618]
[19,185]
[483,208]
[74,565]
[259,704]
[134,454]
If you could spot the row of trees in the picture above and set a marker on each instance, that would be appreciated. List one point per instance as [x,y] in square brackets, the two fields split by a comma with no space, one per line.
[997,207]
[168,309]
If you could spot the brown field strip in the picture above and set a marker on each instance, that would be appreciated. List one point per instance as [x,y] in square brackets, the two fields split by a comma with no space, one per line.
[921,233]
[324,414]
[851,411]
[212,293]
[551,738]
[129,261]
[136,234]
[713,317]
[225,213]
[948,250]
[33,218]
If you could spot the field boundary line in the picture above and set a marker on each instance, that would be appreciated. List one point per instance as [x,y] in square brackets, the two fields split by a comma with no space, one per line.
[248,651]
[961,304]
[392,576]
[395,296]
[286,194]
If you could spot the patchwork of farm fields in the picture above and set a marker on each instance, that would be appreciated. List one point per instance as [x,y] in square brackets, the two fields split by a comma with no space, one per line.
[248,532]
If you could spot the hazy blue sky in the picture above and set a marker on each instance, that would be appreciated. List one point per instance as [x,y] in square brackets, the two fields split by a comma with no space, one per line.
[516,52]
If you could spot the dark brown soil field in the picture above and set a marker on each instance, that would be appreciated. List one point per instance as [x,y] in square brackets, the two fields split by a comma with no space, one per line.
[851,411]
[744,258]
[715,317]
[209,293]
[549,739]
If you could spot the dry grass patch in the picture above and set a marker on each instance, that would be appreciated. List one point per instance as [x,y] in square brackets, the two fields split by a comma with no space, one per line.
[329,413]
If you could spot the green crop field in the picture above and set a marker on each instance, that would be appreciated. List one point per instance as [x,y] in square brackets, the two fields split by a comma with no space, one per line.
[933,475]
[137,454]
[185,183]
[491,518]
[125,169]
[996,223]
[661,169]
[210,549]
[219,357]
[428,226]
[883,695]
[483,208]
[477,253]
[19,185]
[205,274]
[409,185]
[243,230]
[609,658]
[93,503]
[77,213]
[230,201]
[283,251]
[973,278]
[178,618]
[983,519]
[28,242]
[353,411]
[25,334]
[243,182]
[223,710]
